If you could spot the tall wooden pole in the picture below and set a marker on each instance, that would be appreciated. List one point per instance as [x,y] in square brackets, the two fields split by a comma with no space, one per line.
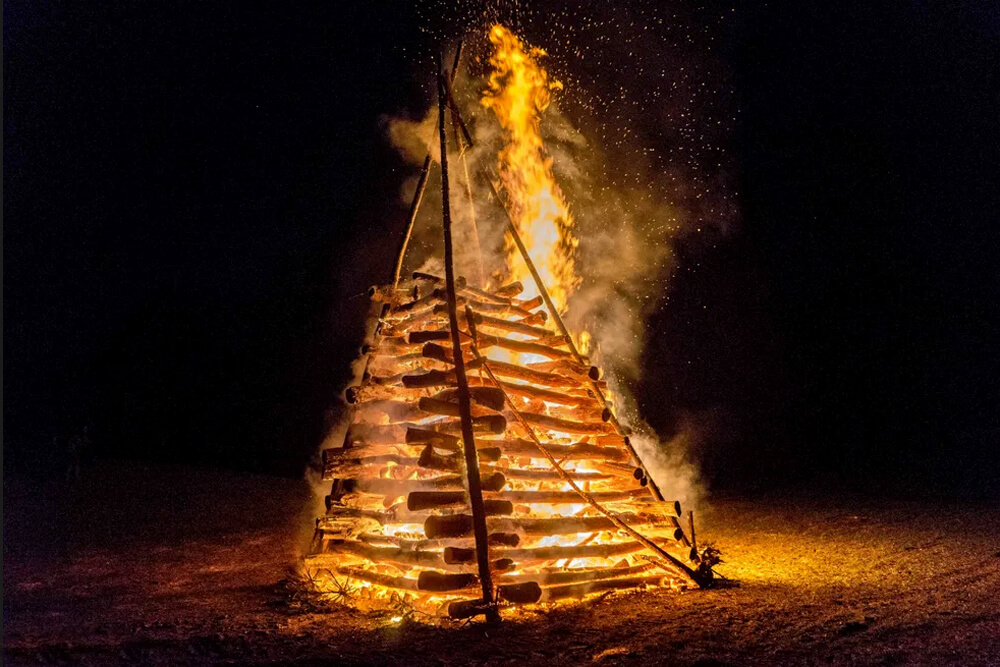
[464,406]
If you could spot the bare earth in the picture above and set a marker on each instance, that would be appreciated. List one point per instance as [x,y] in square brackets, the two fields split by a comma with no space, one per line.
[173,565]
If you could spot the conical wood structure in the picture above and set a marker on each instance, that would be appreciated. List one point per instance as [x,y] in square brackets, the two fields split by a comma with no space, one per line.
[483,463]
[398,519]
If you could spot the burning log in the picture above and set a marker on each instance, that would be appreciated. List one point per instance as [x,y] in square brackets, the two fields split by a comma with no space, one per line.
[521,474]
[567,367]
[513,289]
[554,593]
[433,500]
[386,580]
[574,452]
[398,487]
[416,435]
[575,575]
[518,327]
[494,424]
[496,539]
[523,347]
[435,406]
[459,555]
[386,294]
[460,525]
[421,337]
[442,582]
[401,557]
[393,555]
[566,426]
[483,294]
[504,369]
[535,393]
[572,498]
[489,397]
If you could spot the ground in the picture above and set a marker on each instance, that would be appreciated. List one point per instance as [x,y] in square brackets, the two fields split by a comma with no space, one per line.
[175,565]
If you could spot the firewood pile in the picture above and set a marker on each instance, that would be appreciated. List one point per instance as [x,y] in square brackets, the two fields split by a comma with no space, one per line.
[398,516]
[484,465]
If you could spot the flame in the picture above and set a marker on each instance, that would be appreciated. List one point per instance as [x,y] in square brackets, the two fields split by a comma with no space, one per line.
[519,91]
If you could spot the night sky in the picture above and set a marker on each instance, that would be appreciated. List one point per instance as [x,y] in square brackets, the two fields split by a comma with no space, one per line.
[196,196]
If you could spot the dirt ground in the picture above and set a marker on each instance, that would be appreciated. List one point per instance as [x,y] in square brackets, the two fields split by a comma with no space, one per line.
[152,565]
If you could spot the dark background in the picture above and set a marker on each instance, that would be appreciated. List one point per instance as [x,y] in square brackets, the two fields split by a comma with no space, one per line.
[197,194]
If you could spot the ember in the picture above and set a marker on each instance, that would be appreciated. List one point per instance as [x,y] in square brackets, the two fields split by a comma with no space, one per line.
[484,464]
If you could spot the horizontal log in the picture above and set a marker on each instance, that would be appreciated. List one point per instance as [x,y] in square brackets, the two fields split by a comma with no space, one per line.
[531,392]
[495,540]
[462,609]
[416,304]
[421,337]
[573,498]
[490,397]
[395,411]
[432,460]
[416,435]
[443,582]
[535,475]
[528,592]
[491,424]
[377,392]
[579,385]
[432,500]
[574,452]
[517,327]
[563,592]
[401,557]
[359,433]
[378,579]
[574,575]
[389,345]
[512,289]
[512,309]
[524,556]
[387,381]
[494,482]
[434,406]
[437,378]
[460,525]
[567,426]
[385,293]
[524,347]
[394,555]
[567,367]
[429,379]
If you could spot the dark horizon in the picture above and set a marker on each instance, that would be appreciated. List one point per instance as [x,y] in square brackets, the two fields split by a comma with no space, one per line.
[197,197]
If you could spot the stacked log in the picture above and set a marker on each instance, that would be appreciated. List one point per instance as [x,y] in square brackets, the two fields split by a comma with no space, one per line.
[398,518]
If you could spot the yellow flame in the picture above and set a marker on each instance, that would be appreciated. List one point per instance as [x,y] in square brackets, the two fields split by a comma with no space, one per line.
[519,91]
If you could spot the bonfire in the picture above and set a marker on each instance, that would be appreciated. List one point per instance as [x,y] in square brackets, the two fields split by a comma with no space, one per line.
[484,465]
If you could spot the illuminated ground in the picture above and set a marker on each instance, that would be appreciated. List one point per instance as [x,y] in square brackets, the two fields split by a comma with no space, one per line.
[185,566]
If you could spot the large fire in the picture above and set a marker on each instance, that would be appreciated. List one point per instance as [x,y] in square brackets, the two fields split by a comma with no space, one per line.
[397,521]
[519,90]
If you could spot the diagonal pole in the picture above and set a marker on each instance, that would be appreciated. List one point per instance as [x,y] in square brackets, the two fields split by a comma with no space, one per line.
[464,407]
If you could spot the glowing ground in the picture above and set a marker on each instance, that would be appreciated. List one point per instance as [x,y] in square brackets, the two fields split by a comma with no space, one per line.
[179,565]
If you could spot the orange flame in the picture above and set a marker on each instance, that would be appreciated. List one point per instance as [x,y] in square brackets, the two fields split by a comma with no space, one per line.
[519,91]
